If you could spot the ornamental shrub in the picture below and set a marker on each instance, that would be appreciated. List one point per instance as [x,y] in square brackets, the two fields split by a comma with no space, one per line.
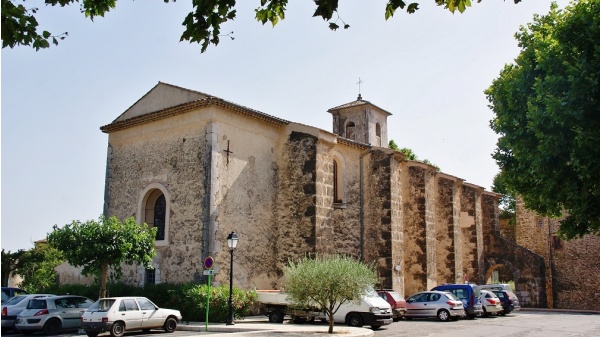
[195,299]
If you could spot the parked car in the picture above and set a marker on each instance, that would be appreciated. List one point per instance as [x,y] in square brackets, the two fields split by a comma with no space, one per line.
[10,292]
[440,304]
[509,301]
[12,307]
[468,294]
[119,314]
[396,301]
[490,302]
[52,314]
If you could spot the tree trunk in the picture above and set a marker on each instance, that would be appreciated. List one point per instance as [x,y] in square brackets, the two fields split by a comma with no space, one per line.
[330,321]
[103,280]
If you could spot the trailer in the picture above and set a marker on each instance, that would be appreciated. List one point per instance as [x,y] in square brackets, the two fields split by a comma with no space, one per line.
[275,305]
[370,310]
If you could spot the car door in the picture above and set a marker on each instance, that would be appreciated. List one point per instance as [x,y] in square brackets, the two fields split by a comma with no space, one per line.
[416,305]
[151,317]
[130,313]
[68,311]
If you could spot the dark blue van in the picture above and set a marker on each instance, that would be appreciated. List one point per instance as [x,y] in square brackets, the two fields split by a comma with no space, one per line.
[468,294]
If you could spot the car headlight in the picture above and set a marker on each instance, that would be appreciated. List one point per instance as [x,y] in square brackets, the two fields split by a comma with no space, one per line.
[374,310]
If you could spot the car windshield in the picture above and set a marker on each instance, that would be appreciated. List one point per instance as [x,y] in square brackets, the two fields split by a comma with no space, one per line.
[102,305]
[396,296]
[37,304]
[15,300]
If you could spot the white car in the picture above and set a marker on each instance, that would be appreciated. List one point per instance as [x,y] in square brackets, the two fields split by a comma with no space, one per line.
[490,302]
[119,314]
[12,307]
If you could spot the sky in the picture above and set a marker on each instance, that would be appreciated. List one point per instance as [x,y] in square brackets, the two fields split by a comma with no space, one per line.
[429,69]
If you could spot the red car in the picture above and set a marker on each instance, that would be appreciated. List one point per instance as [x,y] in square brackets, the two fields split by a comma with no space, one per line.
[396,301]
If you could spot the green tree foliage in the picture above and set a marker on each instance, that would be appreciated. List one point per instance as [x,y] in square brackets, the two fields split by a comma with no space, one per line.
[327,282]
[547,114]
[392,145]
[10,262]
[202,24]
[36,266]
[409,153]
[98,245]
[507,202]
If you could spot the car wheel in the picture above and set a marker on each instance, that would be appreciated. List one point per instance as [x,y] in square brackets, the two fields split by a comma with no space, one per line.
[52,327]
[354,320]
[170,325]
[276,316]
[443,315]
[91,334]
[117,329]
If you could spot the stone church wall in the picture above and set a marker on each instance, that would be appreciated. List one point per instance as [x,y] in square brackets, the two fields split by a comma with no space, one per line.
[444,231]
[246,201]
[469,233]
[148,155]
[378,214]
[415,245]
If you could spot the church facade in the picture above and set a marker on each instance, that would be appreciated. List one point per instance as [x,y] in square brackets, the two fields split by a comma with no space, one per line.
[198,167]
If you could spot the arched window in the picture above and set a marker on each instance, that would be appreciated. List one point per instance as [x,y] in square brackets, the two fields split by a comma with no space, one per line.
[154,211]
[350,131]
[338,181]
[160,207]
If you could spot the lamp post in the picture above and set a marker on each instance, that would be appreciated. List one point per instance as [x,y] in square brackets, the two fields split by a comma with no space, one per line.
[232,240]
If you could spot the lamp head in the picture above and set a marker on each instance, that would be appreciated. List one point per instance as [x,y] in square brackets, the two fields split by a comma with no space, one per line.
[232,240]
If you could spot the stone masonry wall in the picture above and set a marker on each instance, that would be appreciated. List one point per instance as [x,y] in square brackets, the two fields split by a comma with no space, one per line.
[378,215]
[444,231]
[469,233]
[296,211]
[571,266]
[415,247]
[174,160]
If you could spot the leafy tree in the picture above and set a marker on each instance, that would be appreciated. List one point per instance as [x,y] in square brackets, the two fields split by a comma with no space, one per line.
[547,114]
[10,262]
[327,282]
[507,202]
[98,245]
[36,266]
[392,145]
[202,24]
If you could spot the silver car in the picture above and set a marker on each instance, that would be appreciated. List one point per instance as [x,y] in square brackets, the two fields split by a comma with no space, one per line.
[52,314]
[440,304]
[12,307]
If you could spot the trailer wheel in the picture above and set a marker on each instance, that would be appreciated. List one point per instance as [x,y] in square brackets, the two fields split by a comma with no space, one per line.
[298,320]
[276,316]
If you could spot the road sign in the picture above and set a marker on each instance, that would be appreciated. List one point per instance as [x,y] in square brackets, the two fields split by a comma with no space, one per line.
[208,263]
[209,272]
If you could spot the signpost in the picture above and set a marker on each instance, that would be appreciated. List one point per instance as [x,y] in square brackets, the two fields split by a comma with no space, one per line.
[208,271]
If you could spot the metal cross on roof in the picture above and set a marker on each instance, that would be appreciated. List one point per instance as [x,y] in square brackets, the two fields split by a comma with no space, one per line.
[359,82]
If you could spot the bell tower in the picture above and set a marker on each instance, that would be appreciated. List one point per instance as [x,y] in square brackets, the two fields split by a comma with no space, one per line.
[361,121]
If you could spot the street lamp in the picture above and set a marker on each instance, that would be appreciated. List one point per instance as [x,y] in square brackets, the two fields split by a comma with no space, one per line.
[232,240]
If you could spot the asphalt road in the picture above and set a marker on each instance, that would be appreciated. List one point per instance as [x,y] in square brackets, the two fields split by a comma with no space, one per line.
[521,324]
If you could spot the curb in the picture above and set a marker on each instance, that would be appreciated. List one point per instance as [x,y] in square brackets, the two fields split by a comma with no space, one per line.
[573,311]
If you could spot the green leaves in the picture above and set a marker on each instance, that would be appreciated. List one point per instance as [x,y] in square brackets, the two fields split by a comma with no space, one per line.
[106,241]
[327,282]
[272,12]
[546,107]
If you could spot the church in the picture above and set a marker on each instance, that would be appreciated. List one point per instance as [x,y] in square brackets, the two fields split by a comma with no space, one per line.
[198,167]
